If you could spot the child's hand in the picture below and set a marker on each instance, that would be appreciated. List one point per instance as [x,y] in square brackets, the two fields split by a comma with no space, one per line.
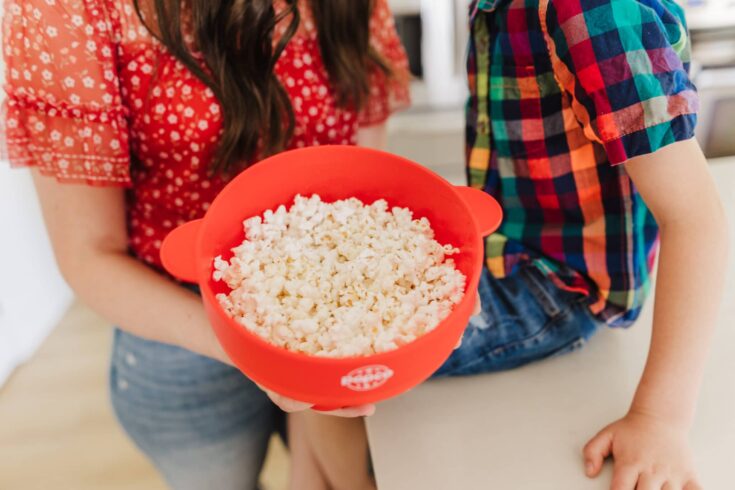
[648,453]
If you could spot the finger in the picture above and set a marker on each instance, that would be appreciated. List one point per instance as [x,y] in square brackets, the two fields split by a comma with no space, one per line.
[459,343]
[478,306]
[671,485]
[360,411]
[596,450]
[624,478]
[648,481]
[287,404]
[692,484]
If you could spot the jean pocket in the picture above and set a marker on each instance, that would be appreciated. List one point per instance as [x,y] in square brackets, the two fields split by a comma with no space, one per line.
[543,290]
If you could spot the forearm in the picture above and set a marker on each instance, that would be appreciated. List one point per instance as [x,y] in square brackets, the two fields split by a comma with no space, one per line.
[88,230]
[142,302]
[688,293]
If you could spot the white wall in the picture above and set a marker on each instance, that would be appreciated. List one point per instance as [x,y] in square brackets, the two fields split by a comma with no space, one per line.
[33,296]
[444,47]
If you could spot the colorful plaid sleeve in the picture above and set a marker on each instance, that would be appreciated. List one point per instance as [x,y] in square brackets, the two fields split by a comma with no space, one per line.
[625,64]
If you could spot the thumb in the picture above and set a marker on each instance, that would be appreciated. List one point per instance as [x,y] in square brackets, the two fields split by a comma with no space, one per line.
[477,309]
[596,450]
[286,404]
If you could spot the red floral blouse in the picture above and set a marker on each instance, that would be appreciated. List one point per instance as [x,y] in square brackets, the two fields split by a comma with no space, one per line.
[93,98]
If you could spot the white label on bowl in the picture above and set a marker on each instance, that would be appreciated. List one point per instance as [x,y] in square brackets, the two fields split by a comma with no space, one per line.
[366,378]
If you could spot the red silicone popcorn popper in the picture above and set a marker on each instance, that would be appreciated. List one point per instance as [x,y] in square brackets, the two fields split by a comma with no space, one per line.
[460,216]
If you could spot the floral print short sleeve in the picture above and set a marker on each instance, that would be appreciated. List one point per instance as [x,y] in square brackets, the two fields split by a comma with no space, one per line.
[64,111]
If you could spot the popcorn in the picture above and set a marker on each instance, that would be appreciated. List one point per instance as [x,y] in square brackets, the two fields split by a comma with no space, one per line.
[339,279]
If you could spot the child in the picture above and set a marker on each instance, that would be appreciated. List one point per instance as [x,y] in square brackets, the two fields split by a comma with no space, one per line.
[580,122]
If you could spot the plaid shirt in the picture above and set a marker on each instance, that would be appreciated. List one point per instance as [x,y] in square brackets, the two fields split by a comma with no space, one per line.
[561,92]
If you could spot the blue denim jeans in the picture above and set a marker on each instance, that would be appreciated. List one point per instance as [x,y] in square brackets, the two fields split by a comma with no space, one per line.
[201,423]
[206,426]
[524,318]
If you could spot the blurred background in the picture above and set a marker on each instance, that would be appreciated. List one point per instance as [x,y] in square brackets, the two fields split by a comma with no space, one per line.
[431,132]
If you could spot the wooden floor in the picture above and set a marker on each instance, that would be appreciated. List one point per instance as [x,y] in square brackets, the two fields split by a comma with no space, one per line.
[57,430]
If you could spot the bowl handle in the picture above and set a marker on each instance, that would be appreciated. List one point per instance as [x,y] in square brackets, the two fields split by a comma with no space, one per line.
[177,251]
[486,210]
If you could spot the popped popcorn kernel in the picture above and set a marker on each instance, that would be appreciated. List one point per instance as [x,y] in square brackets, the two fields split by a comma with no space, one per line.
[339,279]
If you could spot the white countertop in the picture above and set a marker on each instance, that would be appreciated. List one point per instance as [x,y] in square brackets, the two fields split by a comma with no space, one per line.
[524,429]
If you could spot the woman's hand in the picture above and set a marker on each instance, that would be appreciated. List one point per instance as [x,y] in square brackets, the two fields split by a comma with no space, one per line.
[649,454]
[289,406]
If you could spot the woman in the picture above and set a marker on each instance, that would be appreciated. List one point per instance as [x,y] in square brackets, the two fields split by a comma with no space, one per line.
[134,115]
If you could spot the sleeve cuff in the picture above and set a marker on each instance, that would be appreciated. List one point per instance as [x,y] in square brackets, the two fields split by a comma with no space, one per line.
[651,139]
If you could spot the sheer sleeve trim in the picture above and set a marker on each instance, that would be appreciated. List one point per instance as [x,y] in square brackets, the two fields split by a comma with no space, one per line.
[74,144]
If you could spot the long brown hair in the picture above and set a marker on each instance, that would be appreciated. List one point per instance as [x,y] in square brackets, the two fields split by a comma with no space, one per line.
[235,39]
